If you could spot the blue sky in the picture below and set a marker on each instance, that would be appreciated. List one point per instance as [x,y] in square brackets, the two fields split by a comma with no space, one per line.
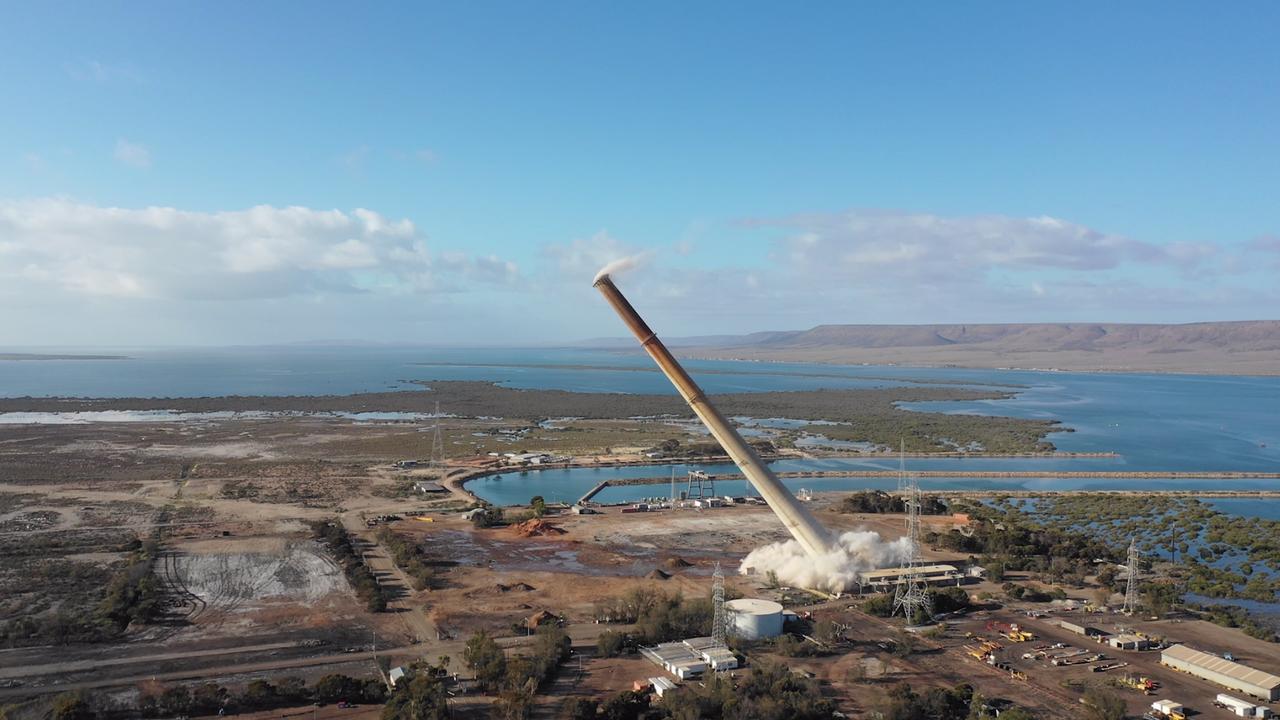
[454,173]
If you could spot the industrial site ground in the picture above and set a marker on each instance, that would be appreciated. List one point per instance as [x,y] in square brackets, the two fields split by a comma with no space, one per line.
[251,595]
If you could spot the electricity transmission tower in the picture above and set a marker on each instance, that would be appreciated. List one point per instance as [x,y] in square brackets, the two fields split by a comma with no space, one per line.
[911,596]
[437,441]
[719,622]
[1131,587]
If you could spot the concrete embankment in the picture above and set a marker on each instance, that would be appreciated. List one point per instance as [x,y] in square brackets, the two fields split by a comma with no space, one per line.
[1003,474]
[459,477]
[984,474]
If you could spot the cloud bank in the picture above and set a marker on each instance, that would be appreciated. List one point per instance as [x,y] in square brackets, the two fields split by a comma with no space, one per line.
[875,266]
[58,245]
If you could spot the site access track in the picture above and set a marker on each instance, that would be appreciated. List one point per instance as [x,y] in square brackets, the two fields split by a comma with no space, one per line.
[43,679]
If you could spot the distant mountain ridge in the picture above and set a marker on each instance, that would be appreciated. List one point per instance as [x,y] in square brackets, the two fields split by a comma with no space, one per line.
[1237,347]
[1243,335]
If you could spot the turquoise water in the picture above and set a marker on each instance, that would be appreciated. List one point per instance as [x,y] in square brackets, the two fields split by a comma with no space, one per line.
[570,484]
[1265,508]
[1155,422]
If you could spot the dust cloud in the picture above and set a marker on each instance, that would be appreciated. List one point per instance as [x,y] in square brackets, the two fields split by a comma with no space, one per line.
[835,571]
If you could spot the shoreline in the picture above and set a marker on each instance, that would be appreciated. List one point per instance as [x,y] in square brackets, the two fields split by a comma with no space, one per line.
[456,478]
[1200,372]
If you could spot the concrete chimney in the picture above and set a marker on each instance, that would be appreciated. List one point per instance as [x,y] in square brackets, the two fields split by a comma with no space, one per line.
[797,519]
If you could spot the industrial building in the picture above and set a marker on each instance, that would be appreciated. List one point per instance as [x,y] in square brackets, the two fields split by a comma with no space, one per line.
[676,658]
[1087,631]
[661,685]
[1224,672]
[1129,641]
[753,619]
[714,652]
[888,578]
[691,657]
[1242,708]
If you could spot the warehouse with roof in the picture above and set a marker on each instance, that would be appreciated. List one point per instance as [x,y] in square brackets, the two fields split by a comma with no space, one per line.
[889,577]
[1223,672]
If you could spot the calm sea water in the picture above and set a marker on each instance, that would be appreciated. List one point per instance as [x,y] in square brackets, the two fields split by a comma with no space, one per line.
[1155,422]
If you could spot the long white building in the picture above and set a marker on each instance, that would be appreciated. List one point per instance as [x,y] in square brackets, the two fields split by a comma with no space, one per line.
[1224,672]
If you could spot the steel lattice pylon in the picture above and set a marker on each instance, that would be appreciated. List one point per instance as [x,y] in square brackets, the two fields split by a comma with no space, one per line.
[911,597]
[719,622]
[1131,587]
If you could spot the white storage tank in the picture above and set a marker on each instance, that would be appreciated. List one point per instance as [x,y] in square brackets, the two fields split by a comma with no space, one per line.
[753,618]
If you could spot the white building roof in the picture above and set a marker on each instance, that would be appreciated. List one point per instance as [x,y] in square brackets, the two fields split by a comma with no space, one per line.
[893,573]
[661,682]
[1216,664]
[754,606]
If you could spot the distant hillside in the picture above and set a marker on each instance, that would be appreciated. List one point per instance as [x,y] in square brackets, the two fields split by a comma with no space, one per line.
[1243,348]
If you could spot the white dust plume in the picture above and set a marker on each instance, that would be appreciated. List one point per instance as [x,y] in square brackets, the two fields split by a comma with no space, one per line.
[620,265]
[837,570]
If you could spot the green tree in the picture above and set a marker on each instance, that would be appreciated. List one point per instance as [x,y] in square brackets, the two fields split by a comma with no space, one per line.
[258,693]
[1102,704]
[176,700]
[516,703]
[423,698]
[538,505]
[70,706]
[486,659]
[334,687]
[610,643]
[292,687]
[627,705]
[579,709]
[826,632]
[880,605]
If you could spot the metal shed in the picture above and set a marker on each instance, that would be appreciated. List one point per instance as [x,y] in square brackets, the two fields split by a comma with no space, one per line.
[1223,672]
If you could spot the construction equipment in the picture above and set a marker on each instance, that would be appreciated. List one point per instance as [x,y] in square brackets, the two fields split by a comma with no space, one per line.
[1011,631]
[1147,686]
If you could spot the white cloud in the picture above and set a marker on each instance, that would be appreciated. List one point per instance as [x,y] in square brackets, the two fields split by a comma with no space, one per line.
[580,260]
[896,267]
[132,154]
[57,245]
